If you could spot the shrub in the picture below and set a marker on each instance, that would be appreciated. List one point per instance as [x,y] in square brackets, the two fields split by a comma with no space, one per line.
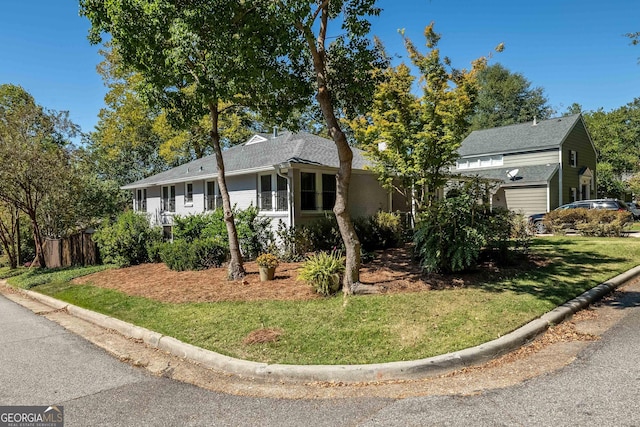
[254,232]
[199,254]
[522,232]
[324,233]
[449,234]
[322,271]
[589,222]
[124,242]
[380,231]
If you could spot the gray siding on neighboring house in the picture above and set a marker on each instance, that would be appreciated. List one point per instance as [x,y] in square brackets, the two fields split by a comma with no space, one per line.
[533,158]
[578,141]
[527,200]
[499,199]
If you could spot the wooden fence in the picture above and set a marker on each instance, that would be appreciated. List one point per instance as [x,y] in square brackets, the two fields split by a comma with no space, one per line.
[78,249]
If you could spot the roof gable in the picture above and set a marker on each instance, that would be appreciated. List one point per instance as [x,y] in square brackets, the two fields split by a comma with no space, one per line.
[260,152]
[544,135]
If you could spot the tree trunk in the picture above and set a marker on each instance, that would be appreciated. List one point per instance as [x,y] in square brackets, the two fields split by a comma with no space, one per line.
[345,155]
[236,268]
[8,239]
[37,238]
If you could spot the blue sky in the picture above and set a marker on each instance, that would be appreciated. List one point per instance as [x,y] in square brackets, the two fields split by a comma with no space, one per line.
[574,49]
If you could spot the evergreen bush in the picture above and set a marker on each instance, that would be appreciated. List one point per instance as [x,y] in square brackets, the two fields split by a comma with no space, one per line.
[199,254]
[124,241]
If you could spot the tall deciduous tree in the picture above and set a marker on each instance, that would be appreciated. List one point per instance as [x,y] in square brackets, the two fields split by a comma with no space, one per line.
[201,57]
[616,135]
[10,232]
[340,70]
[507,98]
[35,163]
[414,140]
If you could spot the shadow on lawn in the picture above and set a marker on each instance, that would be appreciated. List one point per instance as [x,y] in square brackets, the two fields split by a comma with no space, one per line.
[560,275]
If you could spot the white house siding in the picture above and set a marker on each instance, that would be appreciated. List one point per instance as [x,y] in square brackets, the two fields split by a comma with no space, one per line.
[243,190]
[529,159]
[526,200]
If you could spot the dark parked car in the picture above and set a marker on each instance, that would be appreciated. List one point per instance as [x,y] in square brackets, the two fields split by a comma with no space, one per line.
[537,220]
[634,207]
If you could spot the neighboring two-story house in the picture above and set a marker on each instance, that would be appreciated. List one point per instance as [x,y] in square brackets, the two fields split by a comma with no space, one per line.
[290,177]
[538,165]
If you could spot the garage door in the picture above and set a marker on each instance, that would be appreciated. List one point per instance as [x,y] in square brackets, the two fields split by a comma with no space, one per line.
[526,200]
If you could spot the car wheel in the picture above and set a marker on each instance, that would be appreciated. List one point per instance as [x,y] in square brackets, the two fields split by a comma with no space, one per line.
[540,228]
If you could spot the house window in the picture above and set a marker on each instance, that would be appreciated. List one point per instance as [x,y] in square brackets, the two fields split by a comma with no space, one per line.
[573,158]
[188,194]
[480,162]
[141,200]
[266,194]
[328,191]
[168,203]
[213,200]
[281,194]
[574,195]
[308,191]
[268,198]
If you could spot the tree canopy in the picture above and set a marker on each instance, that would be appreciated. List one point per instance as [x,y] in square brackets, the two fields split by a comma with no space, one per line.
[616,135]
[204,58]
[412,139]
[506,98]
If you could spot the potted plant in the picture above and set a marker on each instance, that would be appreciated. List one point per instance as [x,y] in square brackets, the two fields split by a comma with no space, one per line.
[267,264]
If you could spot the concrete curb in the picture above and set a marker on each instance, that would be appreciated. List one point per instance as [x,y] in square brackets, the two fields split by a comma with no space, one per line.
[348,373]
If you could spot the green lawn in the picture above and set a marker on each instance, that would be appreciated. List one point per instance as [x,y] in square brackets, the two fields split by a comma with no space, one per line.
[370,329]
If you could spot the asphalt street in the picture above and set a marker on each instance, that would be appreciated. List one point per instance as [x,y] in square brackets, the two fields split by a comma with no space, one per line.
[41,363]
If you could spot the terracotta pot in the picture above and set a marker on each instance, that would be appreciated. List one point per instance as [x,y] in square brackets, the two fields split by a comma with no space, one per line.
[266,273]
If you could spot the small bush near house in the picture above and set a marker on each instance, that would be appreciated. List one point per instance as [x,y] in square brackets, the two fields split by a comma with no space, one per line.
[452,233]
[323,271]
[124,242]
[589,222]
[522,232]
[254,232]
[380,231]
[446,239]
[199,254]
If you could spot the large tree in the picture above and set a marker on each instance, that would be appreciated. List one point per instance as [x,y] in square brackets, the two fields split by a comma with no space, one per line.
[507,98]
[36,165]
[412,140]
[616,135]
[340,64]
[199,58]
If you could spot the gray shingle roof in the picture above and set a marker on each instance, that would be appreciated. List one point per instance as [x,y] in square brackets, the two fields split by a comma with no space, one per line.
[287,147]
[518,138]
[527,175]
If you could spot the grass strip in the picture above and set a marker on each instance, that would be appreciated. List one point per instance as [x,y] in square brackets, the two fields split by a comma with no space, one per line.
[381,328]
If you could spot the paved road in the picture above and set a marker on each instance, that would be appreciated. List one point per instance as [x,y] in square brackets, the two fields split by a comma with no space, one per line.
[41,364]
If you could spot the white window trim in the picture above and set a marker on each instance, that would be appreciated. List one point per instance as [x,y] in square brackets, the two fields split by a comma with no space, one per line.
[274,193]
[207,196]
[480,162]
[573,158]
[168,187]
[186,191]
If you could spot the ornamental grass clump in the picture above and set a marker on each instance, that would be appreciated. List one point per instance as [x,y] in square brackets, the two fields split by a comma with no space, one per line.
[323,271]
